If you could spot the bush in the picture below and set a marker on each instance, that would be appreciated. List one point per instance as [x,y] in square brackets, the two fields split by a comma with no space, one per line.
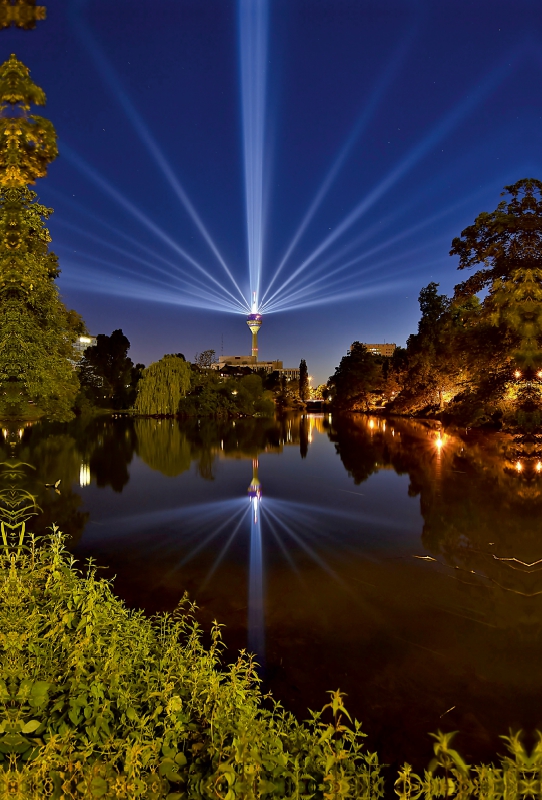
[100,701]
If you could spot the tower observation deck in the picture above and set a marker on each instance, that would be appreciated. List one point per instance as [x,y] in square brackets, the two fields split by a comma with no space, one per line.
[254,322]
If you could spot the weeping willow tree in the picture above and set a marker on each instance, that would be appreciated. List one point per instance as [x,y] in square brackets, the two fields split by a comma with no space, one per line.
[162,386]
[37,332]
[163,446]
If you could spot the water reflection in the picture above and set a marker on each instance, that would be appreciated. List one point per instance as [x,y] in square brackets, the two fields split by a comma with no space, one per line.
[399,560]
[255,573]
[481,505]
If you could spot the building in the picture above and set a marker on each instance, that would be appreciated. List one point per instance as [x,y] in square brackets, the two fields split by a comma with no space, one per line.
[235,361]
[381,349]
[81,344]
[254,322]
[291,373]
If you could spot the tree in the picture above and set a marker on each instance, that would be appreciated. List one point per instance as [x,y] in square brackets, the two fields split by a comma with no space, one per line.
[205,359]
[162,386]
[105,371]
[164,448]
[23,14]
[251,398]
[431,370]
[28,142]
[481,356]
[358,374]
[303,381]
[505,351]
[37,332]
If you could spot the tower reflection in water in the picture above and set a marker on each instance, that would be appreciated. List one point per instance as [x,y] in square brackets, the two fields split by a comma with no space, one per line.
[256,636]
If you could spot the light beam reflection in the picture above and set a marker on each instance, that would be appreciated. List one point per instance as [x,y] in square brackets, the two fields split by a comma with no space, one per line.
[256,636]
[256,622]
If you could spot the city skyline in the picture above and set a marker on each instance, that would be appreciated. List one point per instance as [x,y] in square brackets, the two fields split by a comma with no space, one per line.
[386,130]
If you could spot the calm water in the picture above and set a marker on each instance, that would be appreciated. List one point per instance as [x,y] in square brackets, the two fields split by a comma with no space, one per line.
[378,557]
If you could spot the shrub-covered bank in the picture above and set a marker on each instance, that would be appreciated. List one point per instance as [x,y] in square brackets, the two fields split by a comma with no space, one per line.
[99,701]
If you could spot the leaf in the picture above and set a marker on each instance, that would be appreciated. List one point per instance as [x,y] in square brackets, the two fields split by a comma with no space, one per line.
[39,694]
[98,786]
[31,726]
[74,716]
[327,734]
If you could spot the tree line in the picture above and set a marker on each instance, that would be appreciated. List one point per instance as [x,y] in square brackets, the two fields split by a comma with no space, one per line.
[109,380]
[477,356]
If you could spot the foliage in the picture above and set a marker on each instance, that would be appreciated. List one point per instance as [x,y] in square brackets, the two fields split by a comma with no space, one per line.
[205,359]
[251,398]
[210,395]
[36,331]
[320,392]
[433,356]
[21,14]
[303,381]
[356,377]
[27,143]
[164,448]
[83,714]
[506,246]
[107,374]
[162,386]
[518,775]
[479,358]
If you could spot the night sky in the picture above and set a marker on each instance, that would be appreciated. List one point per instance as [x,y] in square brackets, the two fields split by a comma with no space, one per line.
[392,122]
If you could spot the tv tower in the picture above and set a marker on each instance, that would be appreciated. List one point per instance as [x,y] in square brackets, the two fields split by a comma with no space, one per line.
[254,322]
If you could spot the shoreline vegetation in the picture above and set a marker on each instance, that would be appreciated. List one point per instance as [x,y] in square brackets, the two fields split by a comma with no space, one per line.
[476,359]
[101,701]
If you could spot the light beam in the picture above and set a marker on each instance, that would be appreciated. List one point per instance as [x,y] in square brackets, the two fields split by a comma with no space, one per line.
[112,81]
[445,126]
[253,33]
[360,125]
[100,181]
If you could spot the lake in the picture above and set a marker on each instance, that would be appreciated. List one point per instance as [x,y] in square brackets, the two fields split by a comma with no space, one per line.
[386,558]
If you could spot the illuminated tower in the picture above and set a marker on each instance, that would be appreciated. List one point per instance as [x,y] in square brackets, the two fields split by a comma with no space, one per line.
[254,322]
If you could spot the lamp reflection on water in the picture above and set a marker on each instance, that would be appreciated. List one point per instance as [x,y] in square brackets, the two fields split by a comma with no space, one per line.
[84,474]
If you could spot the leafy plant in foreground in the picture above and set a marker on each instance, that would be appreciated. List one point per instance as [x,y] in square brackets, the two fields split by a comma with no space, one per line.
[99,701]
[519,775]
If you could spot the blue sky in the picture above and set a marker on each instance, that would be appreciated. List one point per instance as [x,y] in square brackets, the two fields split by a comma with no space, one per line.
[368,133]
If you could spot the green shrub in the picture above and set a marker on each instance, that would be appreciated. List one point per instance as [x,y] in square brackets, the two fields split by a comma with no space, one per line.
[100,701]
